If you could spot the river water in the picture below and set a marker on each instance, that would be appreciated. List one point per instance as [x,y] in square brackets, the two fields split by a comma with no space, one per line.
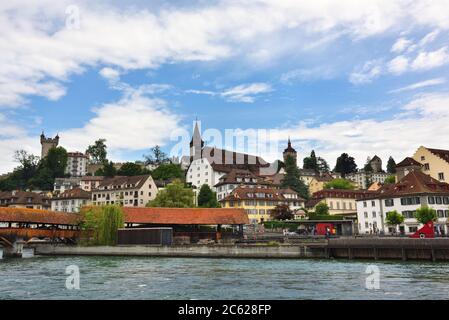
[195,278]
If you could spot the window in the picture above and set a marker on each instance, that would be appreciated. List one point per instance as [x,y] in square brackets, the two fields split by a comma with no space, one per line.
[364,204]
[426,166]
[389,202]
[366,225]
[446,200]
[438,200]
[374,214]
[431,200]
[408,214]
[412,229]
[423,158]
[365,214]
[373,203]
[410,201]
[440,213]
[441,176]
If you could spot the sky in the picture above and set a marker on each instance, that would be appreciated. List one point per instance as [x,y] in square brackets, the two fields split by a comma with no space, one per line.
[359,77]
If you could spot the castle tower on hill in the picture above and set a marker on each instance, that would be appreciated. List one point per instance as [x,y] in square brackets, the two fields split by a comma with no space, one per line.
[47,144]
[290,152]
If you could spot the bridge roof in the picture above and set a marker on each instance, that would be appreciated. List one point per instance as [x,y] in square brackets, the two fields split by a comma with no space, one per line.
[185,216]
[8,214]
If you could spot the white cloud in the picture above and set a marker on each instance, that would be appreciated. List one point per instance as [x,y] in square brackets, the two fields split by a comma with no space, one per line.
[421,84]
[245,92]
[309,74]
[37,50]
[370,70]
[429,60]
[398,65]
[134,122]
[425,123]
[110,74]
[400,45]
[241,93]
[428,38]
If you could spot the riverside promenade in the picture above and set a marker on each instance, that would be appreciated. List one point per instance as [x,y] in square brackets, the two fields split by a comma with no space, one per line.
[342,248]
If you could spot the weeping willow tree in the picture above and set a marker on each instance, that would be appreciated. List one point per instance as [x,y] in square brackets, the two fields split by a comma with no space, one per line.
[101,224]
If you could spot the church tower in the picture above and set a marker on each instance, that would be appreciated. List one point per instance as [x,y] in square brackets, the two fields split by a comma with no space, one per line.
[196,144]
[290,152]
[47,144]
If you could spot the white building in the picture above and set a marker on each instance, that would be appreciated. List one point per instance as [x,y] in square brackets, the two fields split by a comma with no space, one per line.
[63,184]
[237,178]
[208,165]
[411,193]
[365,179]
[76,164]
[71,200]
[89,183]
[135,191]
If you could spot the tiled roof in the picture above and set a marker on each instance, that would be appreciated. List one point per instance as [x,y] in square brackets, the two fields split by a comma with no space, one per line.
[341,193]
[443,154]
[185,216]
[407,162]
[92,178]
[38,216]
[234,174]
[121,182]
[413,183]
[75,193]
[269,194]
[21,198]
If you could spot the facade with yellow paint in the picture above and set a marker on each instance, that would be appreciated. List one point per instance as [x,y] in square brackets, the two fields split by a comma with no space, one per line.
[258,202]
[435,162]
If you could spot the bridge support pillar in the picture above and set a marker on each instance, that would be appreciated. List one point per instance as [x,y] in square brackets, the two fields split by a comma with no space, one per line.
[18,249]
[1,252]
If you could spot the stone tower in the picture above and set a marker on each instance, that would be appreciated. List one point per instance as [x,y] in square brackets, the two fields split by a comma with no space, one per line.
[376,164]
[47,144]
[290,152]
[196,144]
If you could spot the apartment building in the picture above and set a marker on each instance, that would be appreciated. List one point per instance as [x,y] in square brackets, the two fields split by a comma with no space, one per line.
[435,162]
[412,192]
[71,200]
[89,183]
[134,191]
[76,164]
[24,199]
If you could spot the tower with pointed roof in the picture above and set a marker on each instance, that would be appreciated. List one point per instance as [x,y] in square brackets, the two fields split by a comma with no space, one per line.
[196,144]
[47,144]
[289,151]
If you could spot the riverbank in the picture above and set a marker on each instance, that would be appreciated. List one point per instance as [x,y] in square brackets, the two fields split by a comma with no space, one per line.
[376,249]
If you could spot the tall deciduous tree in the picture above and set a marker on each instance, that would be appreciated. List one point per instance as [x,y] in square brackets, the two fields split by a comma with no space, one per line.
[98,151]
[207,198]
[323,166]
[157,156]
[394,218]
[339,184]
[311,162]
[391,166]
[175,195]
[425,215]
[131,169]
[167,171]
[345,165]
[292,180]
[108,170]
[281,212]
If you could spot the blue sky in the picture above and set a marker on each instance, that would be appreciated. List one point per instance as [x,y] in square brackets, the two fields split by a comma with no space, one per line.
[336,77]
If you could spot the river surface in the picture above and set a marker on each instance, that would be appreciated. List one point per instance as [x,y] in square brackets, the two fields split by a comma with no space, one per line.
[197,278]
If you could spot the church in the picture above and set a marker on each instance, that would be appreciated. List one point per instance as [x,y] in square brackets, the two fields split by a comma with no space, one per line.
[209,164]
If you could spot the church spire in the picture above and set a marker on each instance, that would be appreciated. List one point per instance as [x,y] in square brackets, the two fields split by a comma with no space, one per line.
[196,144]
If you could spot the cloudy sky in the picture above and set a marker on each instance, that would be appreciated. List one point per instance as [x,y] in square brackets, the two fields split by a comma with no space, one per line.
[337,76]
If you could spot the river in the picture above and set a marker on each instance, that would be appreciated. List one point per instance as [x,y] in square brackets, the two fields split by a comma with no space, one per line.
[197,278]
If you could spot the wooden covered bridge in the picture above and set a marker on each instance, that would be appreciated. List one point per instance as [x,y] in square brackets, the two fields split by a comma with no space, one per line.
[25,224]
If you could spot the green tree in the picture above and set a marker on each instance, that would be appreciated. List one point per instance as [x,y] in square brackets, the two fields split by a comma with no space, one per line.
[157,156]
[175,195]
[28,164]
[391,166]
[98,151]
[368,168]
[281,212]
[322,209]
[339,184]
[292,180]
[207,198]
[167,171]
[425,215]
[131,169]
[394,218]
[311,162]
[43,180]
[56,161]
[323,166]
[390,180]
[108,170]
[101,224]
[345,165]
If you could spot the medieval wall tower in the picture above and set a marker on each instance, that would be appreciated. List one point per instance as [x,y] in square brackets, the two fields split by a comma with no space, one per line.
[47,144]
[290,152]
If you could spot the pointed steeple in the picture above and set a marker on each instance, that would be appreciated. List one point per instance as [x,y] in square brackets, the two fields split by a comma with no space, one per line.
[196,144]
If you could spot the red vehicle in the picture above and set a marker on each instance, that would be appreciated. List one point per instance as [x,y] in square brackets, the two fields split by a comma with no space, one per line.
[426,231]
[322,228]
